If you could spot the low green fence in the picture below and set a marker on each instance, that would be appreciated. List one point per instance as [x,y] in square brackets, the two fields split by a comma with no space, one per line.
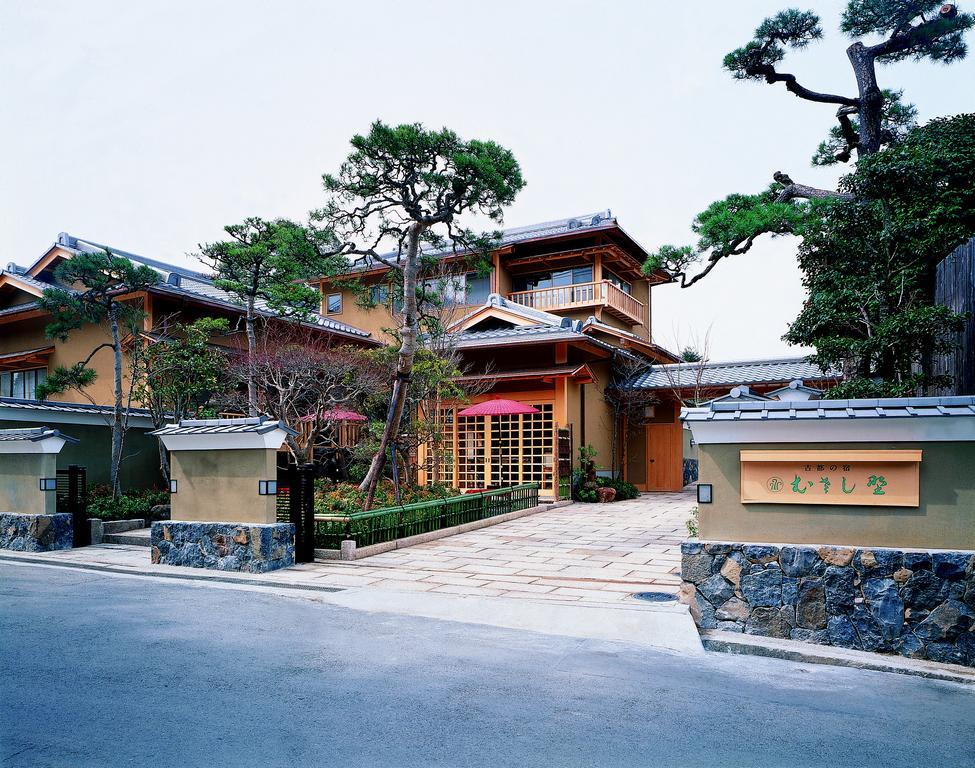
[391,523]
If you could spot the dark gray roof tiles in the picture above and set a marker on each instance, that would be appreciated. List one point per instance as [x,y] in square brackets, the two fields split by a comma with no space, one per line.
[880,408]
[32,434]
[573,224]
[730,373]
[249,425]
[191,283]
[58,407]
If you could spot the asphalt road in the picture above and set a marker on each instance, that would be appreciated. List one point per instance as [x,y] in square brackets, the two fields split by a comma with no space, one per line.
[100,670]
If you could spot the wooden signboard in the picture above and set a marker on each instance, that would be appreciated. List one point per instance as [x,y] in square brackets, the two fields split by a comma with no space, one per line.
[863,478]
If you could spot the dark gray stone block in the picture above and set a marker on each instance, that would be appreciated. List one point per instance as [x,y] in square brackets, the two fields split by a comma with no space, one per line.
[762,588]
[35,533]
[798,561]
[250,547]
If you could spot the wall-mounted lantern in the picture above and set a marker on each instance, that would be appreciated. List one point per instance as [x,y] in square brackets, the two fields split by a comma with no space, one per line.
[172,486]
[267,487]
[48,483]
[704,493]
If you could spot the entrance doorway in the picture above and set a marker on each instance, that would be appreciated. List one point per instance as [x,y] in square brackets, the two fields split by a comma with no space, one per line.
[665,459]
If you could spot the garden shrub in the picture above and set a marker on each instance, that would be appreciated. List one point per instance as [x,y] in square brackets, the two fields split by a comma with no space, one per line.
[131,504]
[624,490]
[346,498]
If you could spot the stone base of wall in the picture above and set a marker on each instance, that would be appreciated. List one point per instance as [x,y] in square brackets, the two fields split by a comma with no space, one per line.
[35,533]
[916,603]
[253,548]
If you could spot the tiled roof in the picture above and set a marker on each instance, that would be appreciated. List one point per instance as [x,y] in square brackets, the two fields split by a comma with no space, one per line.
[730,373]
[881,408]
[194,284]
[585,223]
[32,281]
[254,424]
[54,406]
[32,434]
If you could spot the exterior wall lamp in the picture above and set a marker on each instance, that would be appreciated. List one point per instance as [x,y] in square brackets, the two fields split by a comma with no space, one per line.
[48,483]
[705,492]
[172,486]
[267,487]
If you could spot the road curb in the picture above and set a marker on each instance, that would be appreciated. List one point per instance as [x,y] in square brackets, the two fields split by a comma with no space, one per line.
[794,650]
[209,576]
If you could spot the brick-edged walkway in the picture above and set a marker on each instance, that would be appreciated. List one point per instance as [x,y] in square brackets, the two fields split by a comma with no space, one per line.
[582,552]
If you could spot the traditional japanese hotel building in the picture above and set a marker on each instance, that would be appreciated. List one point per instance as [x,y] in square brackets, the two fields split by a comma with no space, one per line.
[564,313]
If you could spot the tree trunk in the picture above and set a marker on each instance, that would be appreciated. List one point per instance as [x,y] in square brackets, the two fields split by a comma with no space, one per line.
[409,332]
[163,460]
[117,413]
[251,359]
[871,99]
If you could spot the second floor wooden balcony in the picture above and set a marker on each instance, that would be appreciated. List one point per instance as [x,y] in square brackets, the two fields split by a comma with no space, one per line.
[602,293]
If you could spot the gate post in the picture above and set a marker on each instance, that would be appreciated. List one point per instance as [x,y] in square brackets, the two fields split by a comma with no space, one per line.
[77,505]
[302,502]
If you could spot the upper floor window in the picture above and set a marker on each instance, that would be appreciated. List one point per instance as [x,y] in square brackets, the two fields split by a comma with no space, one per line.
[379,294]
[478,288]
[22,384]
[556,279]
[333,304]
[618,281]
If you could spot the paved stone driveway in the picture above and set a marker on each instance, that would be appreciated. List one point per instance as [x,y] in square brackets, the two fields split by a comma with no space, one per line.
[582,552]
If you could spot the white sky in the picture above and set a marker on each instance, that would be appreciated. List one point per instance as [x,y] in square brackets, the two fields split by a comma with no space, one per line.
[149,126]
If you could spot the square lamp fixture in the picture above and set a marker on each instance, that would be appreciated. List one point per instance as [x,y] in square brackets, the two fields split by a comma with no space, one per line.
[704,493]
[48,483]
[267,487]
[172,486]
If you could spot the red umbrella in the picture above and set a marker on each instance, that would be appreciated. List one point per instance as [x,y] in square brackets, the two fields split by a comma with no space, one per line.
[337,414]
[498,407]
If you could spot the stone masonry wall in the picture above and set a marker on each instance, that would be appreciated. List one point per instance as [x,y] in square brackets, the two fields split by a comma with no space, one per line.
[250,547]
[35,533]
[917,604]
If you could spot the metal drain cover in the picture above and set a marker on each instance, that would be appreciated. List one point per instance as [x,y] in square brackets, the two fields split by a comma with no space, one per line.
[655,597]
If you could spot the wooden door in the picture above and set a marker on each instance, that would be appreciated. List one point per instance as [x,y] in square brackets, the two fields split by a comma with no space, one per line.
[665,457]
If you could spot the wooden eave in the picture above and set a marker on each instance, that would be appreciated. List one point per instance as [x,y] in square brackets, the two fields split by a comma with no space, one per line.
[647,348]
[15,361]
[581,374]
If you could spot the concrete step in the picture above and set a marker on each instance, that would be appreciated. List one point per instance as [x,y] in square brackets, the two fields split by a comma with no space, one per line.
[138,537]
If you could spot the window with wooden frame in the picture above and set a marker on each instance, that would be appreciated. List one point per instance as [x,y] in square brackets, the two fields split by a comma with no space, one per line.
[333,304]
[22,384]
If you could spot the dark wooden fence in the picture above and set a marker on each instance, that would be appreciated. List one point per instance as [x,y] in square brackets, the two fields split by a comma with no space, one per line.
[955,289]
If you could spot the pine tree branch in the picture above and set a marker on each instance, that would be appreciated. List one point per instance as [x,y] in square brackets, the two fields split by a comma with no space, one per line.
[792,85]
[793,191]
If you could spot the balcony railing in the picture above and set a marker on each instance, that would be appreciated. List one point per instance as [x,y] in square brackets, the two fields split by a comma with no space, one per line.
[602,293]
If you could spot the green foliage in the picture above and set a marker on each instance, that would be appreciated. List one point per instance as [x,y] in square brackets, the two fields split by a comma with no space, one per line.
[103,277]
[729,227]
[927,33]
[869,264]
[440,170]
[346,498]
[177,373]
[130,505]
[77,376]
[896,119]
[791,28]
[692,523]
[265,261]
[585,483]
[624,490]
[691,354]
